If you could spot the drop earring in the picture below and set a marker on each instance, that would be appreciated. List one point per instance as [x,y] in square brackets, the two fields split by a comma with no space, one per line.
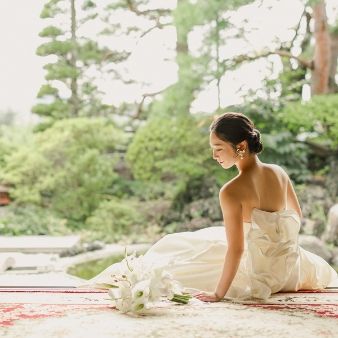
[240,153]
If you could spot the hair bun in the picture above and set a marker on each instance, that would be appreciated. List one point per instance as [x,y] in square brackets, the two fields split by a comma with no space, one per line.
[256,144]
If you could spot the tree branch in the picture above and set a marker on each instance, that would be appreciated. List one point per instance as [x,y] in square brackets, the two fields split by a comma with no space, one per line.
[144,96]
[297,28]
[159,11]
[158,25]
[306,63]
[282,53]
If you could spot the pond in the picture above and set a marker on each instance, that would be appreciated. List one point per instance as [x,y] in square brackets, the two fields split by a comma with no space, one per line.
[90,269]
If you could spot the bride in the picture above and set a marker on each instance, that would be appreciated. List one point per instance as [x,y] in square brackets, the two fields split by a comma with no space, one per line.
[256,253]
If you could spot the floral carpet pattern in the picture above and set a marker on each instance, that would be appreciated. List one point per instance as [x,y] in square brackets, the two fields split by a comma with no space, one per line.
[26,309]
[17,304]
[322,303]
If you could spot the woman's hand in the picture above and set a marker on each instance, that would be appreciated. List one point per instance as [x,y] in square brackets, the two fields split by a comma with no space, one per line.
[207,296]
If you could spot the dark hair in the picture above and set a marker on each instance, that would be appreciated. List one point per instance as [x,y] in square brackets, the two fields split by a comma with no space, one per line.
[235,128]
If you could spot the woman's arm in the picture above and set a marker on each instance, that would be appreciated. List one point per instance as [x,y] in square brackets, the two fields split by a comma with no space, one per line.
[292,199]
[233,222]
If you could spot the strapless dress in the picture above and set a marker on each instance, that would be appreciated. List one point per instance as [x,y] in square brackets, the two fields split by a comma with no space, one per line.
[272,260]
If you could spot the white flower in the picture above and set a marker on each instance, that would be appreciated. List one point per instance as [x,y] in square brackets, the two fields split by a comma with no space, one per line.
[140,283]
[140,307]
[141,290]
[124,305]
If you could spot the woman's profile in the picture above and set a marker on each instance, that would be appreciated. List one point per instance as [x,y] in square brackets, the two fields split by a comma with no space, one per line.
[256,252]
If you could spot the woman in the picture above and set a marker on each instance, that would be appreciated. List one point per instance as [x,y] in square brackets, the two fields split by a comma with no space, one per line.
[256,253]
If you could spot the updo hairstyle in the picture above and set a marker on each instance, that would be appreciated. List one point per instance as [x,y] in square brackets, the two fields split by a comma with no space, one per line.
[235,128]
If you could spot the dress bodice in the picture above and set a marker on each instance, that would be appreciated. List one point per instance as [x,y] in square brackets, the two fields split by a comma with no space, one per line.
[273,221]
[275,218]
[276,225]
[272,249]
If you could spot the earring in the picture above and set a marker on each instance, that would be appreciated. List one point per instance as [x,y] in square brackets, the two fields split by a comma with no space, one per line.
[240,153]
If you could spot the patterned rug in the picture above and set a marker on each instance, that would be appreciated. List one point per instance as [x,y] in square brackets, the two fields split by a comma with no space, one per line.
[322,303]
[17,304]
[33,303]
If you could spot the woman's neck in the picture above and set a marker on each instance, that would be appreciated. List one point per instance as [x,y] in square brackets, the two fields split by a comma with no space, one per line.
[248,163]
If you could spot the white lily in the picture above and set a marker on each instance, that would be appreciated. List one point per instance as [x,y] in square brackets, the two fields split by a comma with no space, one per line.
[141,290]
[124,305]
[140,282]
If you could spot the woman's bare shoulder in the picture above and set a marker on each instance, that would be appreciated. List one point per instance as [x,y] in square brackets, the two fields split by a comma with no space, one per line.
[233,186]
[239,183]
[278,169]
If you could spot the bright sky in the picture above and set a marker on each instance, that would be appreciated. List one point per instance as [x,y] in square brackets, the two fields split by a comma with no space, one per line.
[21,72]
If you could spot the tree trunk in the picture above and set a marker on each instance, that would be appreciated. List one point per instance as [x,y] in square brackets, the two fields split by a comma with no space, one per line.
[218,62]
[333,87]
[74,99]
[322,53]
[180,95]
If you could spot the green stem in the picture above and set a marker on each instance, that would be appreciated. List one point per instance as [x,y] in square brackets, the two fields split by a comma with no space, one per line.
[183,299]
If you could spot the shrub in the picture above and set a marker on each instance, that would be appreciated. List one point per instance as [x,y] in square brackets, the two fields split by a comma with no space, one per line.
[115,218]
[168,149]
[67,167]
[31,220]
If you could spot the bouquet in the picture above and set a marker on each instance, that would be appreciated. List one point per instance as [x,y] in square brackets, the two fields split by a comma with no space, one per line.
[139,285]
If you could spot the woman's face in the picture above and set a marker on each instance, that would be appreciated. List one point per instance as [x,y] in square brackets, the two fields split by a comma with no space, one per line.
[222,151]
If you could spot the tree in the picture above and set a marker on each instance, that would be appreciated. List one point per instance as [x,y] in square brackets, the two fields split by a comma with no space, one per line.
[70,90]
[322,63]
[135,20]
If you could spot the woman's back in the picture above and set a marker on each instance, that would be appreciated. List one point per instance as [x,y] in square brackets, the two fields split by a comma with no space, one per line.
[265,187]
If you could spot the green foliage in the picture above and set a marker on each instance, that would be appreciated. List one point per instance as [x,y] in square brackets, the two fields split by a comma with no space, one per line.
[312,2]
[87,4]
[186,16]
[167,149]
[292,81]
[193,13]
[194,189]
[57,109]
[90,51]
[50,31]
[11,139]
[281,148]
[60,71]
[31,220]
[143,190]
[318,118]
[47,89]
[51,9]
[67,168]
[114,218]
[54,47]
[318,215]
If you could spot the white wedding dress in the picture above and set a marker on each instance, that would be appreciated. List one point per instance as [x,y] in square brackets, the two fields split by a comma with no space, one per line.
[272,260]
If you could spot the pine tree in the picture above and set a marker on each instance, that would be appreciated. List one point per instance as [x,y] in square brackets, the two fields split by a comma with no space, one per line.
[71,90]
